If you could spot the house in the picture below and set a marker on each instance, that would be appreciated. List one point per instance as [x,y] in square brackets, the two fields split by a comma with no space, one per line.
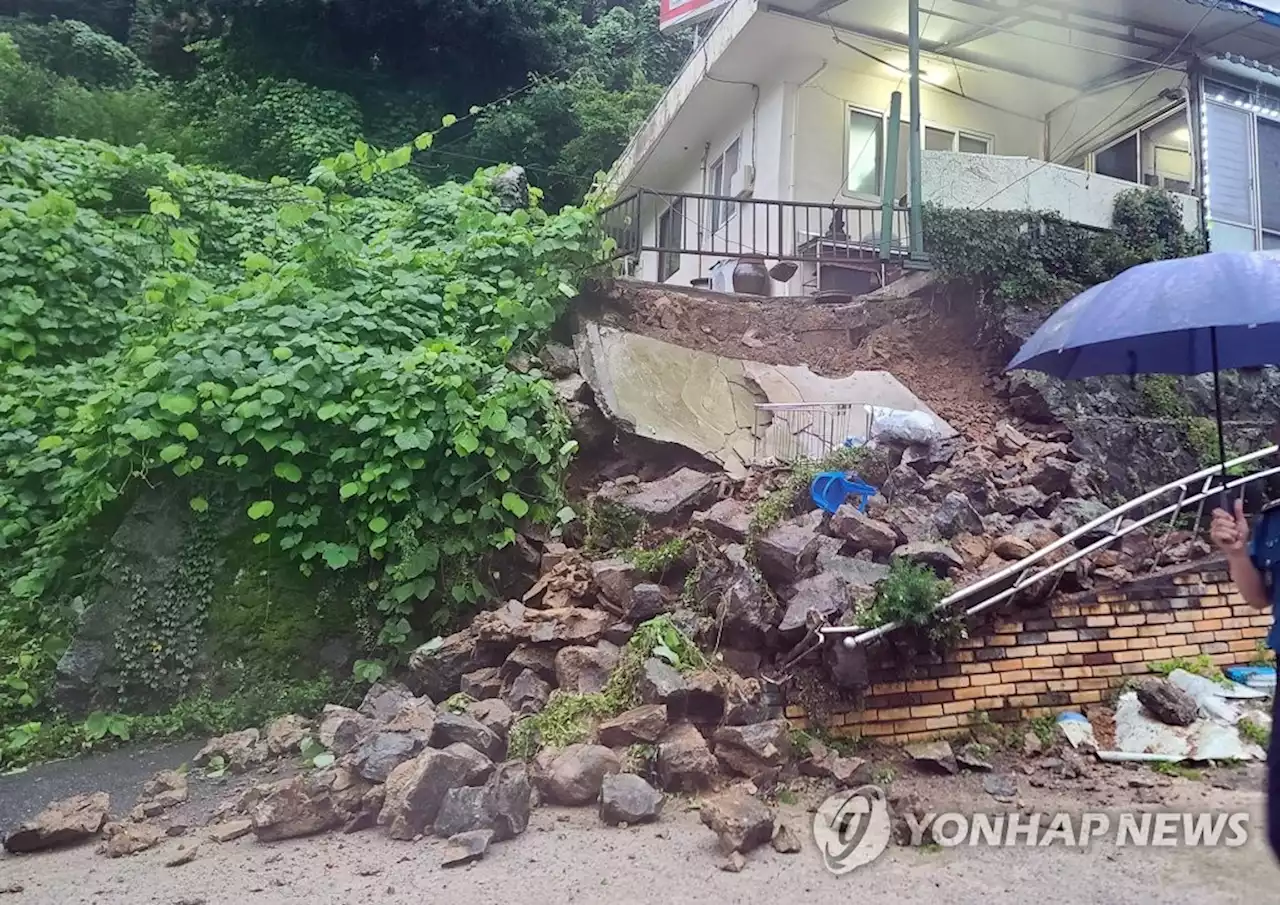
[775,143]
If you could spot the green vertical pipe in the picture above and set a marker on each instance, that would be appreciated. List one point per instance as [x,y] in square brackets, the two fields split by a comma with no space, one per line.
[917,192]
[890,176]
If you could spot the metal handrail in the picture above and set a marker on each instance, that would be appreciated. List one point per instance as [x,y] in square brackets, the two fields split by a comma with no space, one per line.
[1021,570]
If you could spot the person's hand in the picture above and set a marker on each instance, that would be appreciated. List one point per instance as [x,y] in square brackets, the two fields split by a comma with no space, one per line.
[1230,530]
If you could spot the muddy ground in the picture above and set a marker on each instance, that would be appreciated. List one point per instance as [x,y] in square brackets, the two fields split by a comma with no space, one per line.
[568,856]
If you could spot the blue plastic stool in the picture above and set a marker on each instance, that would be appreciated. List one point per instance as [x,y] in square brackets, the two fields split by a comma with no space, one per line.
[830,489]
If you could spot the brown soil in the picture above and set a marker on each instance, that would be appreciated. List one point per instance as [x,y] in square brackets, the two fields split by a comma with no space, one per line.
[933,353]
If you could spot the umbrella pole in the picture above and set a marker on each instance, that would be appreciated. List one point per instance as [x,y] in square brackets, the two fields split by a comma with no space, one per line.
[1217,411]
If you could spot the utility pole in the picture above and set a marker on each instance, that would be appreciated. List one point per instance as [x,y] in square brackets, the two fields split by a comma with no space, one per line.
[917,126]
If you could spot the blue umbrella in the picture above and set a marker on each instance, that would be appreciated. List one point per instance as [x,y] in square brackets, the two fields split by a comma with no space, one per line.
[1181,316]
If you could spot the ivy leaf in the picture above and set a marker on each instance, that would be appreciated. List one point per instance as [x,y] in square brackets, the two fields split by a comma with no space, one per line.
[448,120]
[288,471]
[294,214]
[378,524]
[466,443]
[424,141]
[199,504]
[282,353]
[262,538]
[515,504]
[188,431]
[323,760]
[328,411]
[173,452]
[53,441]
[348,490]
[272,396]
[256,261]
[336,556]
[177,403]
[261,509]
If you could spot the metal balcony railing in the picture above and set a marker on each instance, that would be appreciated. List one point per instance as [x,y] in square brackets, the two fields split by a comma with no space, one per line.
[667,226]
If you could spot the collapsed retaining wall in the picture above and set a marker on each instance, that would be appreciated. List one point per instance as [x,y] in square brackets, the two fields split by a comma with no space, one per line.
[1070,653]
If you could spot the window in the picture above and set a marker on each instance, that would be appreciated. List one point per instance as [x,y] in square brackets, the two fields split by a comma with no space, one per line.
[1157,155]
[864,153]
[670,239]
[722,173]
[973,144]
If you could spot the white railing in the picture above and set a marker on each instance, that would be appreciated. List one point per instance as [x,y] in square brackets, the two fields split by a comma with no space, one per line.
[1024,572]
[795,431]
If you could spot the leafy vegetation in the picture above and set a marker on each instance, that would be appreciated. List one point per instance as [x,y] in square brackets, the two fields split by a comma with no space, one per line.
[1202,665]
[1029,259]
[786,500]
[910,595]
[1254,732]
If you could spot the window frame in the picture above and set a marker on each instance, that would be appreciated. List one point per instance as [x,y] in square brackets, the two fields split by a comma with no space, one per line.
[669,260]
[1136,134]
[719,182]
[957,132]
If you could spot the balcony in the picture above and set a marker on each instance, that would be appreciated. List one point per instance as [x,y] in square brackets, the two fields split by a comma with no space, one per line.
[755,246]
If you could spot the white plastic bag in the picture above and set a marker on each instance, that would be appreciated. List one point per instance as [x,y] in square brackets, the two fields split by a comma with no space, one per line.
[894,426]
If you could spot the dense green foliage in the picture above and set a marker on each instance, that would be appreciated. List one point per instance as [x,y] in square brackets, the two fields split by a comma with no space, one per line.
[1027,259]
[327,370]
[555,86]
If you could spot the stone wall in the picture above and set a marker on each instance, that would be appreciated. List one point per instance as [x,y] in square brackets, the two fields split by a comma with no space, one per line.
[1067,654]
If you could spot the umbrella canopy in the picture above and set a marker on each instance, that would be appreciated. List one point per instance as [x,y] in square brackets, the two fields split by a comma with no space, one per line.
[1181,316]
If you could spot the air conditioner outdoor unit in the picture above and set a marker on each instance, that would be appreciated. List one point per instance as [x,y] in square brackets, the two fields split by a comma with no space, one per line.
[743,182]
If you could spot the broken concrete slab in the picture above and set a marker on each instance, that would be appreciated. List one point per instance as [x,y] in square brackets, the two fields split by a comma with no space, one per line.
[707,403]
[666,501]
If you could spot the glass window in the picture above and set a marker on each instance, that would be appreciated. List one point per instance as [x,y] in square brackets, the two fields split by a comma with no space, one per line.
[1269,172]
[1119,161]
[939,139]
[1230,165]
[974,144]
[722,172]
[1166,154]
[670,239]
[864,153]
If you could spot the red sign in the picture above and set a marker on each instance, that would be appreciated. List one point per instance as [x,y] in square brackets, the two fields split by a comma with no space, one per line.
[684,12]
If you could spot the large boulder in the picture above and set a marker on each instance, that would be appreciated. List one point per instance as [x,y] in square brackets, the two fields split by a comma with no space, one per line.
[665,502]
[451,728]
[416,789]
[685,763]
[642,725]
[646,601]
[658,681]
[415,716]
[861,532]
[615,577]
[286,733]
[824,594]
[515,623]
[788,552]
[382,752]
[938,557]
[585,670]
[739,820]
[746,612]
[301,806]
[510,800]
[701,700]
[239,750]
[729,520]
[437,667]
[62,823]
[383,701]
[956,515]
[626,798]
[1052,475]
[526,694]
[494,714]
[757,750]
[343,729]
[573,775]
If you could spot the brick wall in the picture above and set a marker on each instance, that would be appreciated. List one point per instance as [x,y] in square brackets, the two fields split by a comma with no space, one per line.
[1067,654]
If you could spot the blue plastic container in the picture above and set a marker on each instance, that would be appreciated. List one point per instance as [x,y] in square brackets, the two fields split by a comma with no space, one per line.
[831,489]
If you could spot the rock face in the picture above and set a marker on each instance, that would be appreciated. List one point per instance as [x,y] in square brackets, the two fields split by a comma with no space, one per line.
[62,823]
[573,775]
[938,557]
[525,694]
[685,763]
[1168,703]
[758,750]
[642,725]
[383,701]
[516,623]
[416,789]
[482,684]
[301,806]
[626,798]
[741,822]
[729,520]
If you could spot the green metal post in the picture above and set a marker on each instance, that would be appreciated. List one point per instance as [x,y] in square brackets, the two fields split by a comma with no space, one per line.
[917,192]
[890,176]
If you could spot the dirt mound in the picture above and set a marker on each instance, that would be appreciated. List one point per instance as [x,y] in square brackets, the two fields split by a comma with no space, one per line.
[934,354]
